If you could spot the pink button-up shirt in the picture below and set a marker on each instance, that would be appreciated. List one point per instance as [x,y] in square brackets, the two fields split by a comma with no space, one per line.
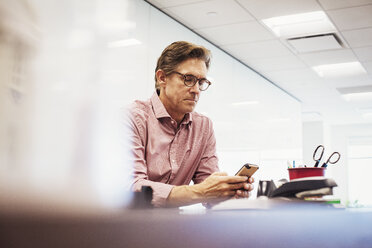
[166,155]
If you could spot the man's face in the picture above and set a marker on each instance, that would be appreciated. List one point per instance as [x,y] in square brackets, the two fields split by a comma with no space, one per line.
[178,98]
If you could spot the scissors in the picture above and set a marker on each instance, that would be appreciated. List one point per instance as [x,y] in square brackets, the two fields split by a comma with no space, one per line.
[320,150]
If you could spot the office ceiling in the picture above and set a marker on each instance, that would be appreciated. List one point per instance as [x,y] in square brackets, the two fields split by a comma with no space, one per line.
[236,27]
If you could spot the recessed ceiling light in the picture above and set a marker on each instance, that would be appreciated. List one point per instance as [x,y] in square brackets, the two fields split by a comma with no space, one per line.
[300,24]
[340,69]
[124,43]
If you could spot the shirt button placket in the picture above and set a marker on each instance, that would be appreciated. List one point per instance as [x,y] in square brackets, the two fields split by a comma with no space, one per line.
[172,161]
[172,156]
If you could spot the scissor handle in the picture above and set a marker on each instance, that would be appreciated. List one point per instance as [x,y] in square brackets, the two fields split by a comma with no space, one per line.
[332,155]
[317,160]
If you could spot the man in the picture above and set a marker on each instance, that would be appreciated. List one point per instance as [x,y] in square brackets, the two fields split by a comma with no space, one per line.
[173,145]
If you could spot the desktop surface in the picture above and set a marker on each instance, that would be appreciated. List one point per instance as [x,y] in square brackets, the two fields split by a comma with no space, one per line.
[298,225]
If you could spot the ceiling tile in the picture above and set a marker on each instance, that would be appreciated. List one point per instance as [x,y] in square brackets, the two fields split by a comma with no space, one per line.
[333,110]
[170,3]
[263,49]
[363,53]
[328,57]
[209,13]
[294,75]
[299,85]
[236,33]
[352,18]
[321,90]
[358,38]
[274,64]
[267,8]
[338,4]
[349,81]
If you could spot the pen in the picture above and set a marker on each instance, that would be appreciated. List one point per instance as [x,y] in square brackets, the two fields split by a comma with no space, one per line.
[289,164]
[294,164]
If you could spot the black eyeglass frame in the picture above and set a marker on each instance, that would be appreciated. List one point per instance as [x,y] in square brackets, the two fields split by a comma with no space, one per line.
[194,80]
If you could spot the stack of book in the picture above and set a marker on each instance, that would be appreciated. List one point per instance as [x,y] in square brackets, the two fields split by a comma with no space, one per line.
[305,187]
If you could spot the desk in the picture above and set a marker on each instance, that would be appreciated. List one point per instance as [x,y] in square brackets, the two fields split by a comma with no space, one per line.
[294,227]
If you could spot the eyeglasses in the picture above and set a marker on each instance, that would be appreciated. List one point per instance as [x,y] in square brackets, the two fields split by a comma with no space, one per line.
[190,80]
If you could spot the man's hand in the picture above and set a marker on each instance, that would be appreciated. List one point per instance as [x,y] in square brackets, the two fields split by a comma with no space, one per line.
[245,191]
[214,189]
[241,192]
[219,186]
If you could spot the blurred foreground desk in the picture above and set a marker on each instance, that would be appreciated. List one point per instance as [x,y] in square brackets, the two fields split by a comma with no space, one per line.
[293,226]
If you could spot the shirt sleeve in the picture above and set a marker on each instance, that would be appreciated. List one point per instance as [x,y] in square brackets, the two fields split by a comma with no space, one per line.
[161,191]
[209,161]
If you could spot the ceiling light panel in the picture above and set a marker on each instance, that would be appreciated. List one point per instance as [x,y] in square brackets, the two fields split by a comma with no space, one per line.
[300,24]
[339,70]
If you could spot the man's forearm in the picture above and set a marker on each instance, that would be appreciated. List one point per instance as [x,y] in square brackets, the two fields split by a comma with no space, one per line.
[184,195]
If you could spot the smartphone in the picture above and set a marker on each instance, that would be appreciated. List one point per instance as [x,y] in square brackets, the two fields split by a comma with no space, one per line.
[247,170]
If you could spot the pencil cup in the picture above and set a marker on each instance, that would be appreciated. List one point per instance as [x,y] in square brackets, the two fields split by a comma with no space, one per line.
[295,173]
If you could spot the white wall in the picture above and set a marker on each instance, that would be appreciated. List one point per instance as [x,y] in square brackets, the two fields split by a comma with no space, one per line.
[352,171]
[313,134]
[340,137]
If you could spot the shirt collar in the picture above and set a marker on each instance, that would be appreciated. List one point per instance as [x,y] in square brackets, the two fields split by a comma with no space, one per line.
[161,112]
[158,107]
[187,118]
